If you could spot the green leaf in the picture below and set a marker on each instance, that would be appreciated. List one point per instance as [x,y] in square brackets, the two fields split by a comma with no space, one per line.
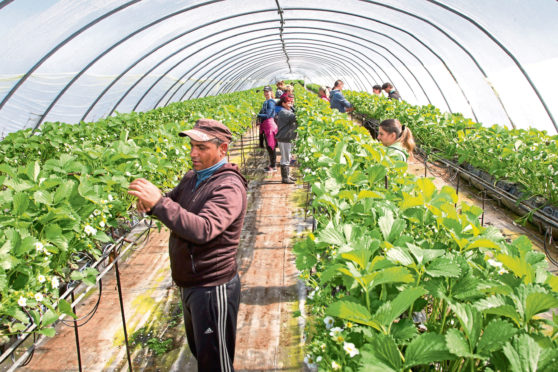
[43,197]
[523,353]
[495,335]
[359,256]
[369,194]
[63,191]
[66,308]
[471,321]
[32,170]
[507,311]
[49,317]
[331,235]
[382,349]
[403,330]
[102,237]
[484,243]
[353,312]
[27,245]
[21,202]
[390,310]
[400,255]
[521,268]
[49,332]
[457,344]
[445,267]
[537,303]
[425,349]
[53,233]
[396,274]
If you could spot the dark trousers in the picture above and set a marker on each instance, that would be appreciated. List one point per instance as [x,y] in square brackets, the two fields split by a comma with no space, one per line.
[210,320]
[272,152]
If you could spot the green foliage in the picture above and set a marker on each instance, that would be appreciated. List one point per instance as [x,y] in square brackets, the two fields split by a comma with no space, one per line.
[382,256]
[526,157]
[63,195]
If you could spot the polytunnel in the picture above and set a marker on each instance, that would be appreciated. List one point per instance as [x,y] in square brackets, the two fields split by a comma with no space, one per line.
[73,61]
[406,228]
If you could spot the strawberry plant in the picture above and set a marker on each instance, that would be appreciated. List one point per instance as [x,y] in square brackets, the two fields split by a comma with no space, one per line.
[526,157]
[64,196]
[401,278]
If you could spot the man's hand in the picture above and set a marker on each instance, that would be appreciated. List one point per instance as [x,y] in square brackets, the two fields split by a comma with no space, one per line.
[147,193]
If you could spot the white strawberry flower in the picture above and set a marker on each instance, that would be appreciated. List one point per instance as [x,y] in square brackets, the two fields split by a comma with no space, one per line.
[41,278]
[39,297]
[110,197]
[350,349]
[90,230]
[335,366]
[102,223]
[39,247]
[22,301]
[55,282]
[495,263]
[336,331]
[328,322]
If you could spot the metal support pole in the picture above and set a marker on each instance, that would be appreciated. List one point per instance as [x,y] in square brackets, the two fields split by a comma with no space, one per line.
[122,312]
[77,335]
[457,186]
[242,153]
[483,199]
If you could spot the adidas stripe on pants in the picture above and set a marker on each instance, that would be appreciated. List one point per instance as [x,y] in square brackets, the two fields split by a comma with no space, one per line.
[210,315]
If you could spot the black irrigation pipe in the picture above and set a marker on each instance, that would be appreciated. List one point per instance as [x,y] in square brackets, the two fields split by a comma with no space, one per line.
[114,248]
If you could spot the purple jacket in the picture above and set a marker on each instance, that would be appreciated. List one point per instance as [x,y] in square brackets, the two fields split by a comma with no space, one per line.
[205,226]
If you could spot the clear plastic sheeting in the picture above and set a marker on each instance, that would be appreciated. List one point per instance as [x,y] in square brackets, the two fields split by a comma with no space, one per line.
[69,61]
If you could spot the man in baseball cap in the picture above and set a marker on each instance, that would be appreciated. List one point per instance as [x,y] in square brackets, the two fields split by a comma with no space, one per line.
[205,214]
[208,129]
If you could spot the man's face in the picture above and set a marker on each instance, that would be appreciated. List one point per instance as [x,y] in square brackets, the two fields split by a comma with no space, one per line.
[268,94]
[206,154]
[377,91]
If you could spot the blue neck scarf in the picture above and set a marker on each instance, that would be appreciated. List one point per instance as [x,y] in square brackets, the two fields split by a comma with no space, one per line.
[204,174]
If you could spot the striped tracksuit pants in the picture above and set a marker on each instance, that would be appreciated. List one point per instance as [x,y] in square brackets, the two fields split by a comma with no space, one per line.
[210,315]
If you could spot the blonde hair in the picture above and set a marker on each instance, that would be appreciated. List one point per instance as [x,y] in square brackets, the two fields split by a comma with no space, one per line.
[289,88]
[404,134]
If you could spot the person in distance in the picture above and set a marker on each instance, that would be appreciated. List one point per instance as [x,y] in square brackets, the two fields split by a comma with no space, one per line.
[280,89]
[377,90]
[286,134]
[391,92]
[337,100]
[322,93]
[268,127]
[397,138]
[205,214]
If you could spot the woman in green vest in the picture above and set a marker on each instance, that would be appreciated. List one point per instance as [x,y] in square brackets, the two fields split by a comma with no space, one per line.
[397,138]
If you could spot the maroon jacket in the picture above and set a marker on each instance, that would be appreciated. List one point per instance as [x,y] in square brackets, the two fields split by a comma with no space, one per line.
[205,226]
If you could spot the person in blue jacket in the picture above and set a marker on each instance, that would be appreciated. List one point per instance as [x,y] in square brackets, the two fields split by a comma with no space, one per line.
[337,100]
[268,127]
